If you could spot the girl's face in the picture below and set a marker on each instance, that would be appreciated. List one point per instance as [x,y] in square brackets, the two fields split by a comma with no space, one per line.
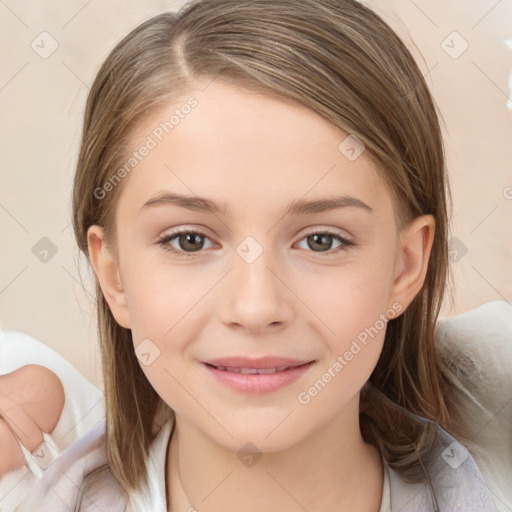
[293,252]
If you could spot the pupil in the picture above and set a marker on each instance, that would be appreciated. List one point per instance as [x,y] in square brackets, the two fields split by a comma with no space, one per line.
[319,238]
[190,239]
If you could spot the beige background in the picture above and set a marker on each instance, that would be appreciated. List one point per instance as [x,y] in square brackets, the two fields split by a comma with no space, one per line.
[42,100]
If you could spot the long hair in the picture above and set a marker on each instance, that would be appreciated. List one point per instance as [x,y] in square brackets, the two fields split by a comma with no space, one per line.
[342,61]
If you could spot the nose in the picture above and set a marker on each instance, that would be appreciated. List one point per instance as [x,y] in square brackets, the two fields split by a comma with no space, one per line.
[255,296]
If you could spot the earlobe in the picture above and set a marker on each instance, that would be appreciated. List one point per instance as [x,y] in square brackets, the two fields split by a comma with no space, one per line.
[414,254]
[106,269]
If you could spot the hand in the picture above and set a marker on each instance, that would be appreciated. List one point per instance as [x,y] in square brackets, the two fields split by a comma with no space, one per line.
[31,402]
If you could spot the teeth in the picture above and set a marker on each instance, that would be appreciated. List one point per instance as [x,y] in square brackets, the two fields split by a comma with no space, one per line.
[252,371]
[248,370]
[267,370]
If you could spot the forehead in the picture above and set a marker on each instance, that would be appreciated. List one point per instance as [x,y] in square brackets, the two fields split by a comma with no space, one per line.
[245,149]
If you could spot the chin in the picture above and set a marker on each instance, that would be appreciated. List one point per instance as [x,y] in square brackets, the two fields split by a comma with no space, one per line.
[267,436]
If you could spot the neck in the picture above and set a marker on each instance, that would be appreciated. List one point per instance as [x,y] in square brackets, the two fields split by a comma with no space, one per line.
[332,469]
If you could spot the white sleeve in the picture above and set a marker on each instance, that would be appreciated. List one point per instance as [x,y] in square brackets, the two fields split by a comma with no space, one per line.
[84,404]
[83,409]
[477,347]
[58,489]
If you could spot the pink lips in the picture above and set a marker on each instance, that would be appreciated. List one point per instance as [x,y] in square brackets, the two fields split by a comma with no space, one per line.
[257,376]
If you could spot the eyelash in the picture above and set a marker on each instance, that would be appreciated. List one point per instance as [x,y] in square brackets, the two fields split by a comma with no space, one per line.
[164,242]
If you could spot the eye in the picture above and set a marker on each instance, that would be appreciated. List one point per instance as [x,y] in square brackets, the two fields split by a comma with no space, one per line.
[187,241]
[323,241]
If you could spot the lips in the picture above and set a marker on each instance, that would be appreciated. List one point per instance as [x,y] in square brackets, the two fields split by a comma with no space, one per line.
[257,376]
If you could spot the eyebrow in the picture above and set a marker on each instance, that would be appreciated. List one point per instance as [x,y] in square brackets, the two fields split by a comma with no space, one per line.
[297,207]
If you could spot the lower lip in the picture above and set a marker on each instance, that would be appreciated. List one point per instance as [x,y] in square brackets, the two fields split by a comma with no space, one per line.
[256,384]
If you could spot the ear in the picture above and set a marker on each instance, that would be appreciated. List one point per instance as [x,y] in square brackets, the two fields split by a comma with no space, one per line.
[413,255]
[107,271]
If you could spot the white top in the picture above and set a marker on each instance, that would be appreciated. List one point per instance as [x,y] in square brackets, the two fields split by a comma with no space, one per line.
[155,500]
[478,343]
[13,488]
[13,485]
[455,486]
[385,504]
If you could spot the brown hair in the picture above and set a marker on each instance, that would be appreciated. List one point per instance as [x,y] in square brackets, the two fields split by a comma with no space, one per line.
[341,60]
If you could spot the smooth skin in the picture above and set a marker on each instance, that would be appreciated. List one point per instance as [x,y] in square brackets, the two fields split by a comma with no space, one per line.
[298,299]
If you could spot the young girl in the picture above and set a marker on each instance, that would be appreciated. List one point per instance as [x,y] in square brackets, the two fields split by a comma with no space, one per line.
[261,193]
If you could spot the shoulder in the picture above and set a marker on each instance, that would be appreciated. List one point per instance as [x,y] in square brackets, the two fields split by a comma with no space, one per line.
[452,482]
[478,346]
[476,351]
[61,485]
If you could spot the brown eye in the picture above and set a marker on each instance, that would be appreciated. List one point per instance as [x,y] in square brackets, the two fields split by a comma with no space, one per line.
[183,242]
[190,241]
[323,242]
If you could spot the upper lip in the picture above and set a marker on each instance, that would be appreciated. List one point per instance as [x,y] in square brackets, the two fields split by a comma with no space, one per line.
[258,363]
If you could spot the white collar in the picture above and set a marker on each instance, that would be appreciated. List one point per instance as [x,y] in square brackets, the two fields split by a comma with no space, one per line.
[155,498]
[463,485]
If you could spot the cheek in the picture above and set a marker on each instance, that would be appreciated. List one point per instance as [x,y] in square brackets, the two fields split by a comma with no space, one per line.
[166,311]
[350,298]
[162,297]
[351,359]
[353,305]
[338,382]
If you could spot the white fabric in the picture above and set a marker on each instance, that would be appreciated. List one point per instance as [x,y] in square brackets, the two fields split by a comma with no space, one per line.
[155,499]
[83,408]
[479,345]
[42,456]
[454,483]
[385,503]
[57,490]
[87,405]
[479,342]
[456,489]
[14,487]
